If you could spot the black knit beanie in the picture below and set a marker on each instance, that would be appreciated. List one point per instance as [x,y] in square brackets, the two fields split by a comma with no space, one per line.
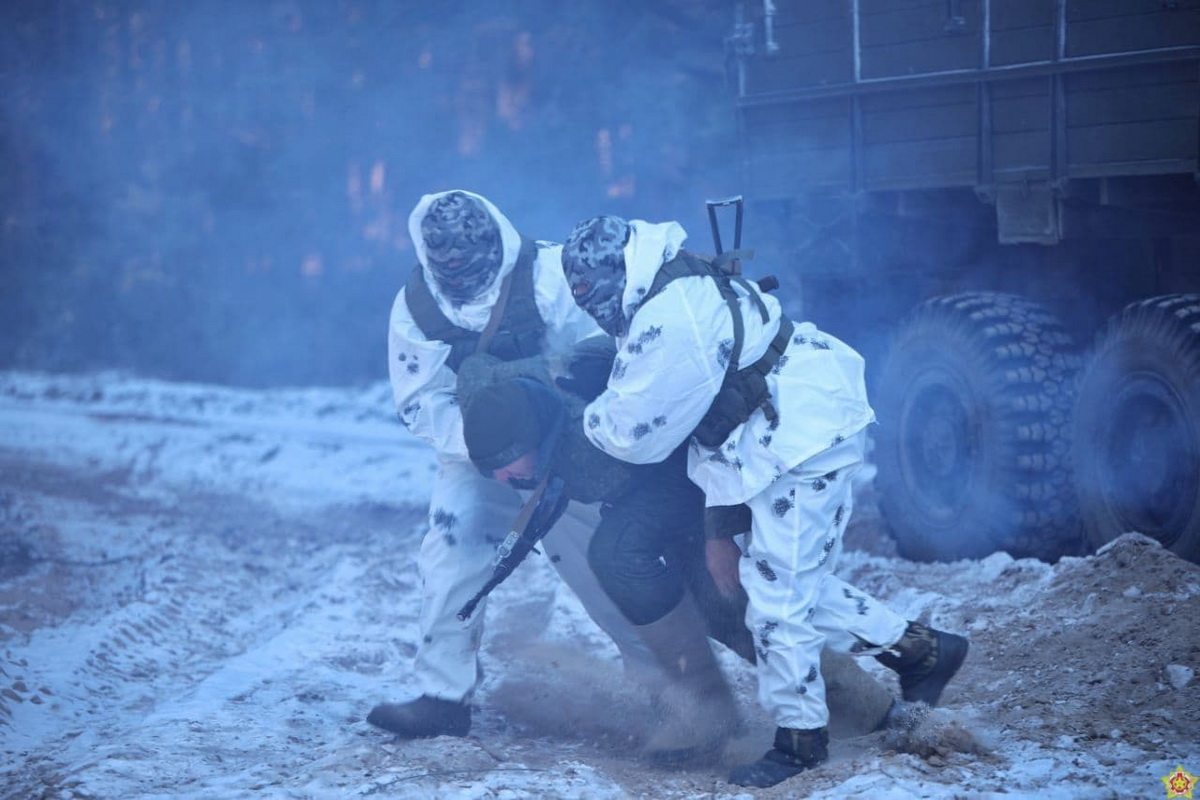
[508,419]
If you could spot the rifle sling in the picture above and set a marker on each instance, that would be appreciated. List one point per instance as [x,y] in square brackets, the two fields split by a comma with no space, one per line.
[522,521]
[485,338]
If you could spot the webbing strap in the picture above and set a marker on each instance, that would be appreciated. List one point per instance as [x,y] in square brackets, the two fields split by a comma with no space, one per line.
[739,325]
[730,260]
[515,311]
[767,363]
[755,296]
[778,345]
[748,382]
[687,264]
[485,337]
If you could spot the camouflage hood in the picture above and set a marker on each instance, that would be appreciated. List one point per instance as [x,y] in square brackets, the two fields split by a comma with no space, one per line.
[610,264]
[468,312]
[651,244]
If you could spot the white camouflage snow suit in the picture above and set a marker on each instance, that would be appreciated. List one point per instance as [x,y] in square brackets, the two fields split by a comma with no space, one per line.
[794,474]
[469,513]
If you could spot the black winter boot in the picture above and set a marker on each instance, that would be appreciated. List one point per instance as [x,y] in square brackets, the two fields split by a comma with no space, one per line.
[925,659]
[795,751]
[423,717]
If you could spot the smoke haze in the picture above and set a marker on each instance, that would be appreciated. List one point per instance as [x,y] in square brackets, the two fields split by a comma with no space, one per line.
[218,191]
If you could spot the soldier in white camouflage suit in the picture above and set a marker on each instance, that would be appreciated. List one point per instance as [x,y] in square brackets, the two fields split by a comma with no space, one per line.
[776,416]
[648,554]
[472,261]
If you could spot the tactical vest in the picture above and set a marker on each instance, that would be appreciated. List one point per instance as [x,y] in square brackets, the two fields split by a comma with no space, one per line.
[521,328]
[743,391]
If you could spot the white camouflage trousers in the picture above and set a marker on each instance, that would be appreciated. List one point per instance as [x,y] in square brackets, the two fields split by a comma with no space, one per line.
[468,517]
[797,606]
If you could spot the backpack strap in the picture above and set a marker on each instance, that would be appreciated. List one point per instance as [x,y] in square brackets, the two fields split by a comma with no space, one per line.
[688,264]
[521,328]
[424,309]
[769,359]
[743,390]
[486,335]
[730,260]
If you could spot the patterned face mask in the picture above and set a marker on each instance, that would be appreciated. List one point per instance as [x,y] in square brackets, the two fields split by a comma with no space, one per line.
[462,246]
[594,263]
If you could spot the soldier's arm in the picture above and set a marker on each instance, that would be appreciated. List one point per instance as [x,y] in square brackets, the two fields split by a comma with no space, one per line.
[423,387]
[665,376]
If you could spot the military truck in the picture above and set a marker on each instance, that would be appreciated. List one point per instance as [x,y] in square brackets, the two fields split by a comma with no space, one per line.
[996,202]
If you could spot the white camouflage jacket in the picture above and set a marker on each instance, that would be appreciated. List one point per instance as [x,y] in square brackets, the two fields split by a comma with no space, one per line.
[423,386]
[671,364]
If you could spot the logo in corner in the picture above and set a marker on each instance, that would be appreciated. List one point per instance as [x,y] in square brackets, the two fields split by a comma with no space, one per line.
[1180,783]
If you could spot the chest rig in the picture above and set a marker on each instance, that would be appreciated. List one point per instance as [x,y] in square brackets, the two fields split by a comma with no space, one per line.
[743,391]
[516,334]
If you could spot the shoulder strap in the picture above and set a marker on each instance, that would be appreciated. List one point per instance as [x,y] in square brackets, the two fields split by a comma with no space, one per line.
[523,316]
[754,295]
[680,266]
[424,309]
[485,337]
[517,286]
[687,264]
[731,260]
[729,265]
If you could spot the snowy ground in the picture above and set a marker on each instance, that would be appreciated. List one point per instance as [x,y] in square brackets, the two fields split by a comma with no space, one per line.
[203,591]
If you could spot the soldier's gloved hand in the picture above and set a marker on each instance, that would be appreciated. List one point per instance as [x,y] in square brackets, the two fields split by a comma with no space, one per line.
[533,367]
[483,369]
[589,365]
[474,373]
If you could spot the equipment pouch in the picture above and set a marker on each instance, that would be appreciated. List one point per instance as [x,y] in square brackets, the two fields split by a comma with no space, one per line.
[741,393]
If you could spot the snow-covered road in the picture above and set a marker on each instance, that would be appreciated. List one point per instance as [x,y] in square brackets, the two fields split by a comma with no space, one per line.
[203,590]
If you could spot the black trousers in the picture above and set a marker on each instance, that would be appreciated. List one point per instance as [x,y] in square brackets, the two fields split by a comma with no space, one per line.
[650,539]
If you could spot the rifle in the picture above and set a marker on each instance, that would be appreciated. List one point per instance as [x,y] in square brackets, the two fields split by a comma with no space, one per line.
[537,516]
[731,262]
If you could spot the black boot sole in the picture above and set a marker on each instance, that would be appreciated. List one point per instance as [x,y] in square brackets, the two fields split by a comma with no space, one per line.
[387,718]
[769,771]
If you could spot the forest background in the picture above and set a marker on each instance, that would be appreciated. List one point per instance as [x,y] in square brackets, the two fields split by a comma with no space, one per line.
[218,190]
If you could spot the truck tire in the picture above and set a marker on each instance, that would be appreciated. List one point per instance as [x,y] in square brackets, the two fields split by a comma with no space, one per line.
[972,447]
[1137,426]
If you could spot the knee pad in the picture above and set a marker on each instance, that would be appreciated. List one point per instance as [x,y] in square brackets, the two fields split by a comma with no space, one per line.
[638,583]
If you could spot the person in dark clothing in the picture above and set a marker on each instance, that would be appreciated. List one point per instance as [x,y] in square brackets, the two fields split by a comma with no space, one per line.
[647,544]
[647,552]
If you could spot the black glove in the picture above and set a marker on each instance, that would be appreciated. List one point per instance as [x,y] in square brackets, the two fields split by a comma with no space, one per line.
[589,365]
[483,369]
[725,522]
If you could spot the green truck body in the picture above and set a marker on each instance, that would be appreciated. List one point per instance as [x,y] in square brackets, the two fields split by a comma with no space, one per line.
[925,175]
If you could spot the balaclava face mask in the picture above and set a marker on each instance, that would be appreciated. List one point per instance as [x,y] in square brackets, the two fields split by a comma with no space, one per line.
[593,260]
[462,246]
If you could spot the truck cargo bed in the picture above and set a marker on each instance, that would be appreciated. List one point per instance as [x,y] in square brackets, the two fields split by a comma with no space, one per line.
[872,95]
